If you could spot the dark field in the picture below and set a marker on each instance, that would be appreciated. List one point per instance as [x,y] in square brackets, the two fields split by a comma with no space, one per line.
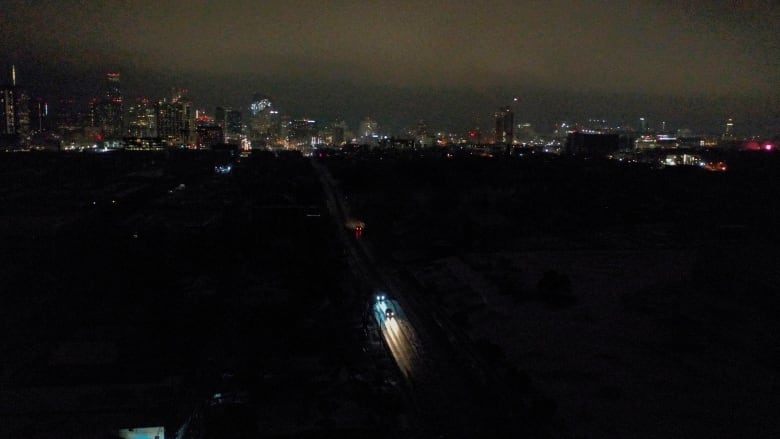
[620,301]
[129,298]
[642,301]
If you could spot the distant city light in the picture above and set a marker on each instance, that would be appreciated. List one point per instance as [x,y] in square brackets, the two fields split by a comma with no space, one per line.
[223,169]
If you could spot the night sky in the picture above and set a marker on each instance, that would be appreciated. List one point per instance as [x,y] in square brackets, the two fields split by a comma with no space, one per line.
[692,63]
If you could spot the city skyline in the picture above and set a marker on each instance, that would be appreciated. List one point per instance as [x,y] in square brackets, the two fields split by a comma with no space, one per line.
[481,116]
[695,63]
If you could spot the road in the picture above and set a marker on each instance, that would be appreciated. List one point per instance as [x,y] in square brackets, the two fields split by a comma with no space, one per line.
[399,335]
[453,391]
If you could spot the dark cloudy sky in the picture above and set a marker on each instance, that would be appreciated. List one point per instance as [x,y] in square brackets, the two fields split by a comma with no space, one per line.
[690,62]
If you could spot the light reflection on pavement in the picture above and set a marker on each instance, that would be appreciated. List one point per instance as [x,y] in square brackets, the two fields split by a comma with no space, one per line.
[399,335]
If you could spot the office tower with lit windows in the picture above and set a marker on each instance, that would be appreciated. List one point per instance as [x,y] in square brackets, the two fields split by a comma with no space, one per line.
[264,120]
[107,112]
[209,134]
[141,119]
[175,120]
[260,103]
[234,126]
[8,126]
[38,116]
[729,131]
[340,130]
[301,132]
[69,117]
[505,120]
[23,114]
[368,131]
[12,106]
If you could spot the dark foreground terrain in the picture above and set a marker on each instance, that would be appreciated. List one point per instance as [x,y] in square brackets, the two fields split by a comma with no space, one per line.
[144,290]
[642,301]
[148,290]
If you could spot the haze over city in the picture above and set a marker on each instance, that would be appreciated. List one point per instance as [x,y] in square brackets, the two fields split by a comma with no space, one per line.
[693,64]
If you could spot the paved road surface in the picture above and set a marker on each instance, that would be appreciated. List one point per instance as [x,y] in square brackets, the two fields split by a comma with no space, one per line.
[455,393]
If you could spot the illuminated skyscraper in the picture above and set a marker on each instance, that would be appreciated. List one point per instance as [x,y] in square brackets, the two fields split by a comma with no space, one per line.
[259,104]
[22,106]
[369,130]
[729,132]
[340,130]
[302,132]
[505,121]
[39,116]
[422,134]
[141,119]
[108,111]
[209,134]
[175,121]
[9,112]
[264,122]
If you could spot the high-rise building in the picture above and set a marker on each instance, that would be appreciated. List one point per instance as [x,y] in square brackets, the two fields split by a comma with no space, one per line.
[15,112]
[264,120]
[505,121]
[369,130]
[10,126]
[422,134]
[525,132]
[23,122]
[68,117]
[175,121]
[729,132]
[333,134]
[141,119]
[302,132]
[39,116]
[235,124]
[586,144]
[340,132]
[220,116]
[209,134]
[107,112]
[260,103]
